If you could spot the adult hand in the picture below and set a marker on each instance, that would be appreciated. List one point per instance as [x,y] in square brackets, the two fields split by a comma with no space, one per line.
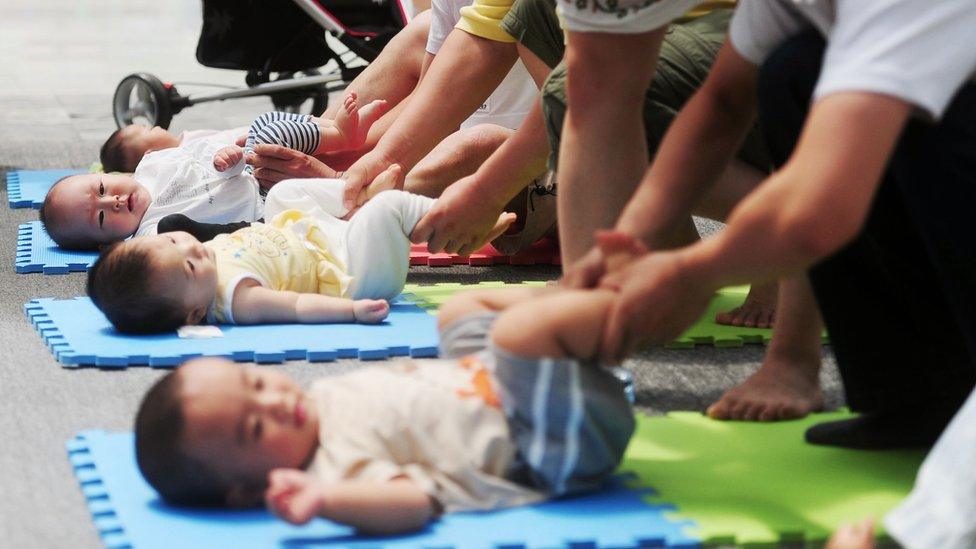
[361,174]
[273,163]
[658,298]
[613,250]
[461,220]
[293,495]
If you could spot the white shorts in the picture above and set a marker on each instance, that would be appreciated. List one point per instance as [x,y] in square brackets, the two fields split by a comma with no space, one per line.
[621,16]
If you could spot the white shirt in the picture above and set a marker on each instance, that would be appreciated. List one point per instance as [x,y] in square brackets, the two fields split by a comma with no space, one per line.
[941,510]
[509,104]
[920,51]
[183,180]
[224,136]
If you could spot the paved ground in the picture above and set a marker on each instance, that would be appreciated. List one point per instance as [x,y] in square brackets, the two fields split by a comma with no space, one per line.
[61,60]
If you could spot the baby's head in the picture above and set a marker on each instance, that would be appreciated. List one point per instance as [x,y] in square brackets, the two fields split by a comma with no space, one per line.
[124,149]
[88,210]
[154,283]
[211,431]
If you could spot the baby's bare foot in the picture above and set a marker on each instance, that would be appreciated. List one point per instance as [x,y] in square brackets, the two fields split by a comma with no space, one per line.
[757,311]
[352,124]
[370,311]
[227,158]
[505,220]
[390,178]
[786,386]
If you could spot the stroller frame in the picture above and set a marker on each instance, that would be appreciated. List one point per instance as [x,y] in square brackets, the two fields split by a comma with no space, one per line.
[145,96]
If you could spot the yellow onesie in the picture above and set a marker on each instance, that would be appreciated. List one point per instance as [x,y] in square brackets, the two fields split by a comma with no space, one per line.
[290,252]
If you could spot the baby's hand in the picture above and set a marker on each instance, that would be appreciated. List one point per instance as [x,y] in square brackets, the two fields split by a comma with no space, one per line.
[370,311]
[227,158]
[294,495]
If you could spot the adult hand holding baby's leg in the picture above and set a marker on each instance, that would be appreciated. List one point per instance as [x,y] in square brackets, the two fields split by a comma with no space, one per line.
[613,250]
[294,495]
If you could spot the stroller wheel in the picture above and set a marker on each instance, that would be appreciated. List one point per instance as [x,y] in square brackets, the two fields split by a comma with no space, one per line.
[142,98]
[312,101]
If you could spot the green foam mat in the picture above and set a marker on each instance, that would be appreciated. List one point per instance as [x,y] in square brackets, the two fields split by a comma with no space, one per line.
[703,332]
[760,484]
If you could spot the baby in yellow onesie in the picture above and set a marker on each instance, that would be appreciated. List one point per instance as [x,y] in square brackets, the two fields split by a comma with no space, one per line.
[306,267]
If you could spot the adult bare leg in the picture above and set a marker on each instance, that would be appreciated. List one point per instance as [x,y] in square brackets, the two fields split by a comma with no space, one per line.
[603,152]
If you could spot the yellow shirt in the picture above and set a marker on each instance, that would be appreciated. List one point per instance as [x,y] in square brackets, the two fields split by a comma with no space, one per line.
[290,252]
[484,17]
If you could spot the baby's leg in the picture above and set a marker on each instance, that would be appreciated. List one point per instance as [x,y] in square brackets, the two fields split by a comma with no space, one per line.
[467,303]
[316,197]
[377,241]
[561,324]
[295,131]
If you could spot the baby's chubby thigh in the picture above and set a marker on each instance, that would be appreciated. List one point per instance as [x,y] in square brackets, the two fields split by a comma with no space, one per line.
[316,197]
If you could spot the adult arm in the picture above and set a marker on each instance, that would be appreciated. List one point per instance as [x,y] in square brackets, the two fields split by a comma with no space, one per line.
[801,214]
[465,71]
[697,147]
[465,213]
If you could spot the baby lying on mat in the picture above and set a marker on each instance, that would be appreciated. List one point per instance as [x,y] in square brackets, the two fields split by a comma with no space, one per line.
[514,413]
[204,179]
[302,267]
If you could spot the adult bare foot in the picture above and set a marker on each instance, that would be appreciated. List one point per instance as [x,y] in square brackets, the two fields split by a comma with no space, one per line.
[757,311]
[786,386]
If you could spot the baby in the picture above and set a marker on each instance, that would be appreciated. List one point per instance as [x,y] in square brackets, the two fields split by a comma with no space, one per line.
[516,411]
[299,267]
[124,149]
[204,179]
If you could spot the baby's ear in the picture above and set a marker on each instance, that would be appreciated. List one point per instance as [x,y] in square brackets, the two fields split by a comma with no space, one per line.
[196,316]
[243,497]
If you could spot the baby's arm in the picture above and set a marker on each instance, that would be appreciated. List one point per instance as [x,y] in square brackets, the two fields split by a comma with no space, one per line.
[560,324]
[254,304]
[372,507]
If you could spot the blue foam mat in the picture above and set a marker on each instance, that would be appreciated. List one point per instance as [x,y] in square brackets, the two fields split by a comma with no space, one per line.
[127,513]
[37,253]
[27,188]
[79,335]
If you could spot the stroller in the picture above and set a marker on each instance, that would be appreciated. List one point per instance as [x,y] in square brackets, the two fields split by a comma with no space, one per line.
[281,44]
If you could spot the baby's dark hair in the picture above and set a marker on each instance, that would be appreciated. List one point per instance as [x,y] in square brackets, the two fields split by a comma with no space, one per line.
[53,220]
[179,479]
[120,284]
[113,155]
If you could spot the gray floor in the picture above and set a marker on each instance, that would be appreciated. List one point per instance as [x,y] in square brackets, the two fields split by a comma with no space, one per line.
[61,60]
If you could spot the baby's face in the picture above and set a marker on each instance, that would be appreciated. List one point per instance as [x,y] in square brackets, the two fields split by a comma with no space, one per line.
[100,208]
[246,421]
[182,269]
[139,140]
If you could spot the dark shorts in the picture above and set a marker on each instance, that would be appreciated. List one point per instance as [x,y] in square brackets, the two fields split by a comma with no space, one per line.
[687,54]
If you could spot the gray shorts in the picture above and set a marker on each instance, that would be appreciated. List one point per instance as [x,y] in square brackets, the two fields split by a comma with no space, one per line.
[570,420]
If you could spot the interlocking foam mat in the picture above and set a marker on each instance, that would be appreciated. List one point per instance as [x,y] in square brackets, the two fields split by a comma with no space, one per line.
[758,484]
[37,253]
[27,188]
[79,335]
[717,482]
[704,332]
[543,252]
[127,513]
